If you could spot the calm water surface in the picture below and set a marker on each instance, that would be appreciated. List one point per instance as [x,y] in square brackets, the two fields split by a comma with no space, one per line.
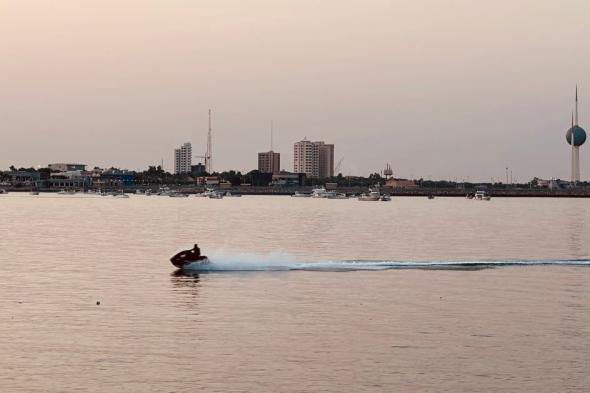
[333,329]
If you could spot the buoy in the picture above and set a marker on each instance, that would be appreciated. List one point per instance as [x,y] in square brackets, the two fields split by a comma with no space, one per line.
[98,303]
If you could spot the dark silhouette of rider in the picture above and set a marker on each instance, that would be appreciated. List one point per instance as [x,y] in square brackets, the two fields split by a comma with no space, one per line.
[196,251]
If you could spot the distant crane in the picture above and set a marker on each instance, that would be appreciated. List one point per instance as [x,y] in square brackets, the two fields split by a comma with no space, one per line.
[337,167]
[388,172]
[208,157]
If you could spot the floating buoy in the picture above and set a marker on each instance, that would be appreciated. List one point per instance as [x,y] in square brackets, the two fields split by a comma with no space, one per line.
[98,303]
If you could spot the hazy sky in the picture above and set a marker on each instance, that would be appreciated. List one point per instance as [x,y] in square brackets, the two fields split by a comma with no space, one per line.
[437,88]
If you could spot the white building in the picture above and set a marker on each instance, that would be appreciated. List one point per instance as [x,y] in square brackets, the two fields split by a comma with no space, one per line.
[315,159]
[183,158]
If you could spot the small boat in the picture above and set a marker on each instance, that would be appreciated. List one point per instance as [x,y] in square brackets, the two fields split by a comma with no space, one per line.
[482,195]
[430,196]
[216,195]
[206,193]
[300,195]
[385,198]
[337,196]
[3,191]
[229,194]
[120,195]
[34,193]
[164,191]
[322,193]
[189,259]
[177,195]
[371,196]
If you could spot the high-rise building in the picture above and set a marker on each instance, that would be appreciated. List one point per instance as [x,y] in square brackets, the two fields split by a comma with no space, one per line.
[183,159]
[326,157]
[315,159]
[269,162]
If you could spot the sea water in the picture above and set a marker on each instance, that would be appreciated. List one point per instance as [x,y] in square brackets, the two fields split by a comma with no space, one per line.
[302,295]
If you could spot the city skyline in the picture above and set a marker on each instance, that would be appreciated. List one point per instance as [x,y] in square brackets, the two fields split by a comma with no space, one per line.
[437,91]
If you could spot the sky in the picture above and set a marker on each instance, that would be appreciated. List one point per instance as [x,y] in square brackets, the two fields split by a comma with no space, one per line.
[443,89]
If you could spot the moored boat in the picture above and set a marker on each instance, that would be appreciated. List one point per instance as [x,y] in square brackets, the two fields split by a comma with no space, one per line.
[370,196]
[482,195]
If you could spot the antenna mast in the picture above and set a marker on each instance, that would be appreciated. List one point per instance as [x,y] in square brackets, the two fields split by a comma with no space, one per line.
[271,136]
[209,154]
[576,119]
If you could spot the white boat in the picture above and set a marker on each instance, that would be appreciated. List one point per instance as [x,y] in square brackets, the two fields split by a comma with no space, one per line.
[322,193]
[216,195]
[205,194]
[164,191]
[120,195]
[385,198]
[300,195]
[178,195]
[339,195]
[138,192]
[148,192]
[370,196]
[482,195]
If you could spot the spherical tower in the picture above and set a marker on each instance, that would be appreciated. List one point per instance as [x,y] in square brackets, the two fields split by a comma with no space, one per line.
[575,136]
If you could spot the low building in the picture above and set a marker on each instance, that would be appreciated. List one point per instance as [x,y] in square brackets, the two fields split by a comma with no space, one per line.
[63,167]
[69,179]
[283,179]
[117,177]
[26,178]
[400,183]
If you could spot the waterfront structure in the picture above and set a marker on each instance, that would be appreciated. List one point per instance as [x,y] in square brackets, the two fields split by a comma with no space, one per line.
[69,179]
[400,183]
[283,179]
[63,167]
[315,159]
[183,159]
[269,162]
[575,136]
[117,177]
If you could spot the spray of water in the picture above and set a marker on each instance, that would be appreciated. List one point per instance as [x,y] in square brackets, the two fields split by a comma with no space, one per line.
[280,262]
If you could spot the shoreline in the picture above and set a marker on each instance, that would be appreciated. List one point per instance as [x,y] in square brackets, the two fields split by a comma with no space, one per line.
[420,192]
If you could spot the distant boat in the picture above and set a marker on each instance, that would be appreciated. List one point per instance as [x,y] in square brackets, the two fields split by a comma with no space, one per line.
[216,195]
[229,194]
[120,195]
[34,193]
[322,193]
[430,196]
[337,196]
[385,198]
[3,191]
[482,195]
[300,195]
[370,196]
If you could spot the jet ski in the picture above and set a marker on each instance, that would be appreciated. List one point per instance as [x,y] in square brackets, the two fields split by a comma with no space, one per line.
[187,257]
